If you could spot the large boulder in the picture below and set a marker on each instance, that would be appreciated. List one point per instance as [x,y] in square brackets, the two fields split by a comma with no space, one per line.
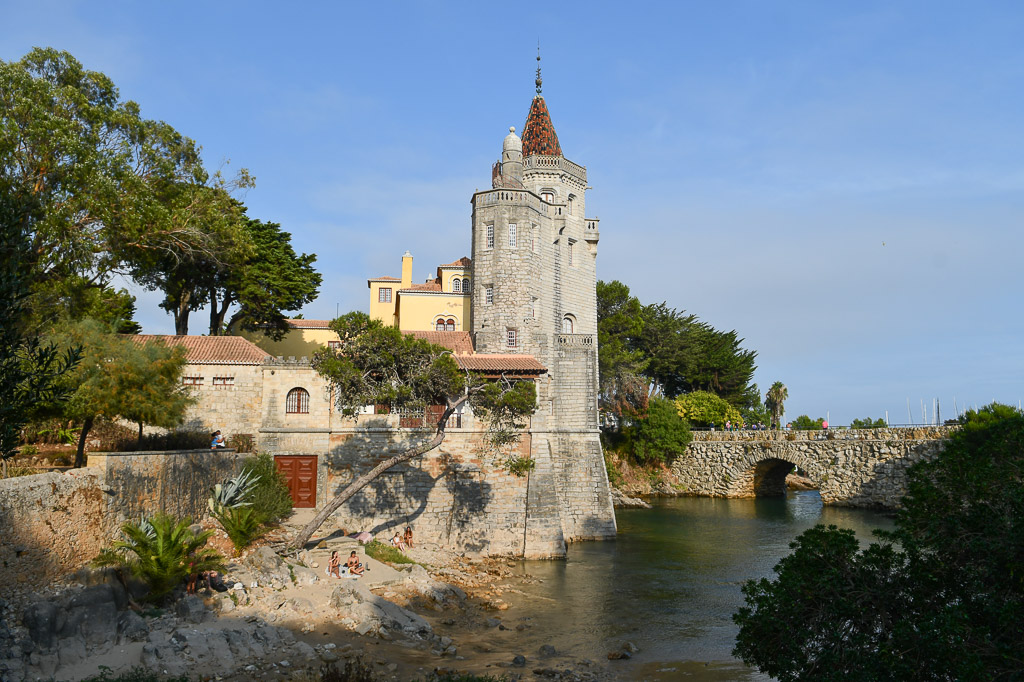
[371,613]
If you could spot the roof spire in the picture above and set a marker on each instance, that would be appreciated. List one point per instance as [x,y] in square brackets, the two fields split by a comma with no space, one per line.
[538,81]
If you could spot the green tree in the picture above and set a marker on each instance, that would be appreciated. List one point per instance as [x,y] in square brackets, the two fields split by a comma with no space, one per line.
[753,409]
[939,598]
[685,355]
[30,370]
[868,423]
[379,365]
[775,400]
[703,408]
[805,423]
[660,436]
[122,378]
[270,280]
[103,189]
[624,391]
[162,552]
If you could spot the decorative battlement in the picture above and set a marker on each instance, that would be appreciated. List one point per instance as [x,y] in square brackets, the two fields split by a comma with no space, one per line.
[497,197]
[577,340]
[538,162]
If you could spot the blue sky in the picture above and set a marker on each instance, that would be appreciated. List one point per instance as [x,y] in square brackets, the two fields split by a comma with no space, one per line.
[842,183]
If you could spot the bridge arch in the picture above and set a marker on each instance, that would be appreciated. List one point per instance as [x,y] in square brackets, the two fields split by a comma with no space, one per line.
[759,471]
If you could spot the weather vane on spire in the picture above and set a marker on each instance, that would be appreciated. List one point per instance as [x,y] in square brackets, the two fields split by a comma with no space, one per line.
[538,81]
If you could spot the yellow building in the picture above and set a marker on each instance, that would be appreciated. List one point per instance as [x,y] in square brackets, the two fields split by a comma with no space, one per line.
[439,304]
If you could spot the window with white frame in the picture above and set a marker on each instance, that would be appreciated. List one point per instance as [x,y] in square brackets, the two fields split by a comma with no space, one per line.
[511,235]
[439,326]
[490,236]
[457,285]
[465,285]
[334,345]
[223,381]
[567,325]
[512,338]
[384,296]
[449,326]
[548,195]
[297,401]
[488,295]
[192,381]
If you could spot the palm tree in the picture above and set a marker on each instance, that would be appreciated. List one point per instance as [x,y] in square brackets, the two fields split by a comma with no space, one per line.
[162,552]
[774,399]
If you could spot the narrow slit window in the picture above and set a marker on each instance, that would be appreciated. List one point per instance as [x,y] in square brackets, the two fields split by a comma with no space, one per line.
[511,235]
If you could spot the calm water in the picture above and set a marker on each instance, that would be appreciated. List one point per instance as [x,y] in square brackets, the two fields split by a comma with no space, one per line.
[671,582]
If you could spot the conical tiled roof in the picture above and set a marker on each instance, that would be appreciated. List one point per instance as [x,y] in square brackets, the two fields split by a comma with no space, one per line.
[539,135]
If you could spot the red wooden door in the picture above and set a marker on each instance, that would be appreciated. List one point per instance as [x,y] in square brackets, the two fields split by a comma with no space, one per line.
[300,471]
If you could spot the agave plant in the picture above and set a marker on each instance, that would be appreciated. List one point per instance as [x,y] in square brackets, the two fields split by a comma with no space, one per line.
[162,552]
[233,493]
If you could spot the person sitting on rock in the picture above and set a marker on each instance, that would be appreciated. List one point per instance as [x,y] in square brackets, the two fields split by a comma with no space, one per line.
[398,542]
[354,566]
[408,537]
[334,565]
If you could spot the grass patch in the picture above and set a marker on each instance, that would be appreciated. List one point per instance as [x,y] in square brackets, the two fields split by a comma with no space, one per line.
[138,674]
[386,553]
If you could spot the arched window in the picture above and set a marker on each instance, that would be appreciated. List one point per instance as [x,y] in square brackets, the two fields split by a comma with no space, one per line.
[457,285]
[297,401]
[449,326]
[439,326]
[465,285]
[567,325]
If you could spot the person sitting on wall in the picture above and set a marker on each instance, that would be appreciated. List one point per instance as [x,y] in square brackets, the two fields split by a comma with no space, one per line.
[397,541]
[408,537]
[354,566]
[334,565]
[218,441]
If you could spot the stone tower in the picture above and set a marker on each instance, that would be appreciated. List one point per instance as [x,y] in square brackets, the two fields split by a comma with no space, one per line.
[534,272]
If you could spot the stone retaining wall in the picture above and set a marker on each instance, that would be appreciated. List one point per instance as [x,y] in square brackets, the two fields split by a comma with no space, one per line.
[54,523]
[854,467]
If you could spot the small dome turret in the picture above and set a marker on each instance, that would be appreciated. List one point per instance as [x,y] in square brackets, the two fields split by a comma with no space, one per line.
[512,142]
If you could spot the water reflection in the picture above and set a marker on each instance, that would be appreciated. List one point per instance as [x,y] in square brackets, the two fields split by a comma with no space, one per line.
[671,582]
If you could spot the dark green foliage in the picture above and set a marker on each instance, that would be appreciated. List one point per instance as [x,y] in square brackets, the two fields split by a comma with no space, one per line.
[805,423]
[703,408]
[661,436]
[651,349]
[172,440]
[941,598]
[619,326]
[162,552]
[868,423]
[270,497]
[30,371]
[242,524]
[774,401]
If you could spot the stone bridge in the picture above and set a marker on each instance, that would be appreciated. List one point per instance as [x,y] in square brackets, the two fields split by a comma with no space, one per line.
[852,467]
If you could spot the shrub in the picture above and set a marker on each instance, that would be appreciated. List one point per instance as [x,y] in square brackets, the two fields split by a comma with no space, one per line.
[242,524]
[703,408]
[242,442]
[661,436]
[14,471]
[384,552]
[868,423]
[805,423]
[162,552]
[270,497]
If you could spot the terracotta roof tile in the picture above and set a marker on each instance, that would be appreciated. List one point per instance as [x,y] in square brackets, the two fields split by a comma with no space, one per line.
[427,286]
[463,262]
[457,342]
[211,350]
[489,363]
[539,135]
[309,324]
[385,278]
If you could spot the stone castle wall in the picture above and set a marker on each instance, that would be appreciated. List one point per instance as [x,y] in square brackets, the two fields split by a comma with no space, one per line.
[54,523]
[853,468]
[232,408]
